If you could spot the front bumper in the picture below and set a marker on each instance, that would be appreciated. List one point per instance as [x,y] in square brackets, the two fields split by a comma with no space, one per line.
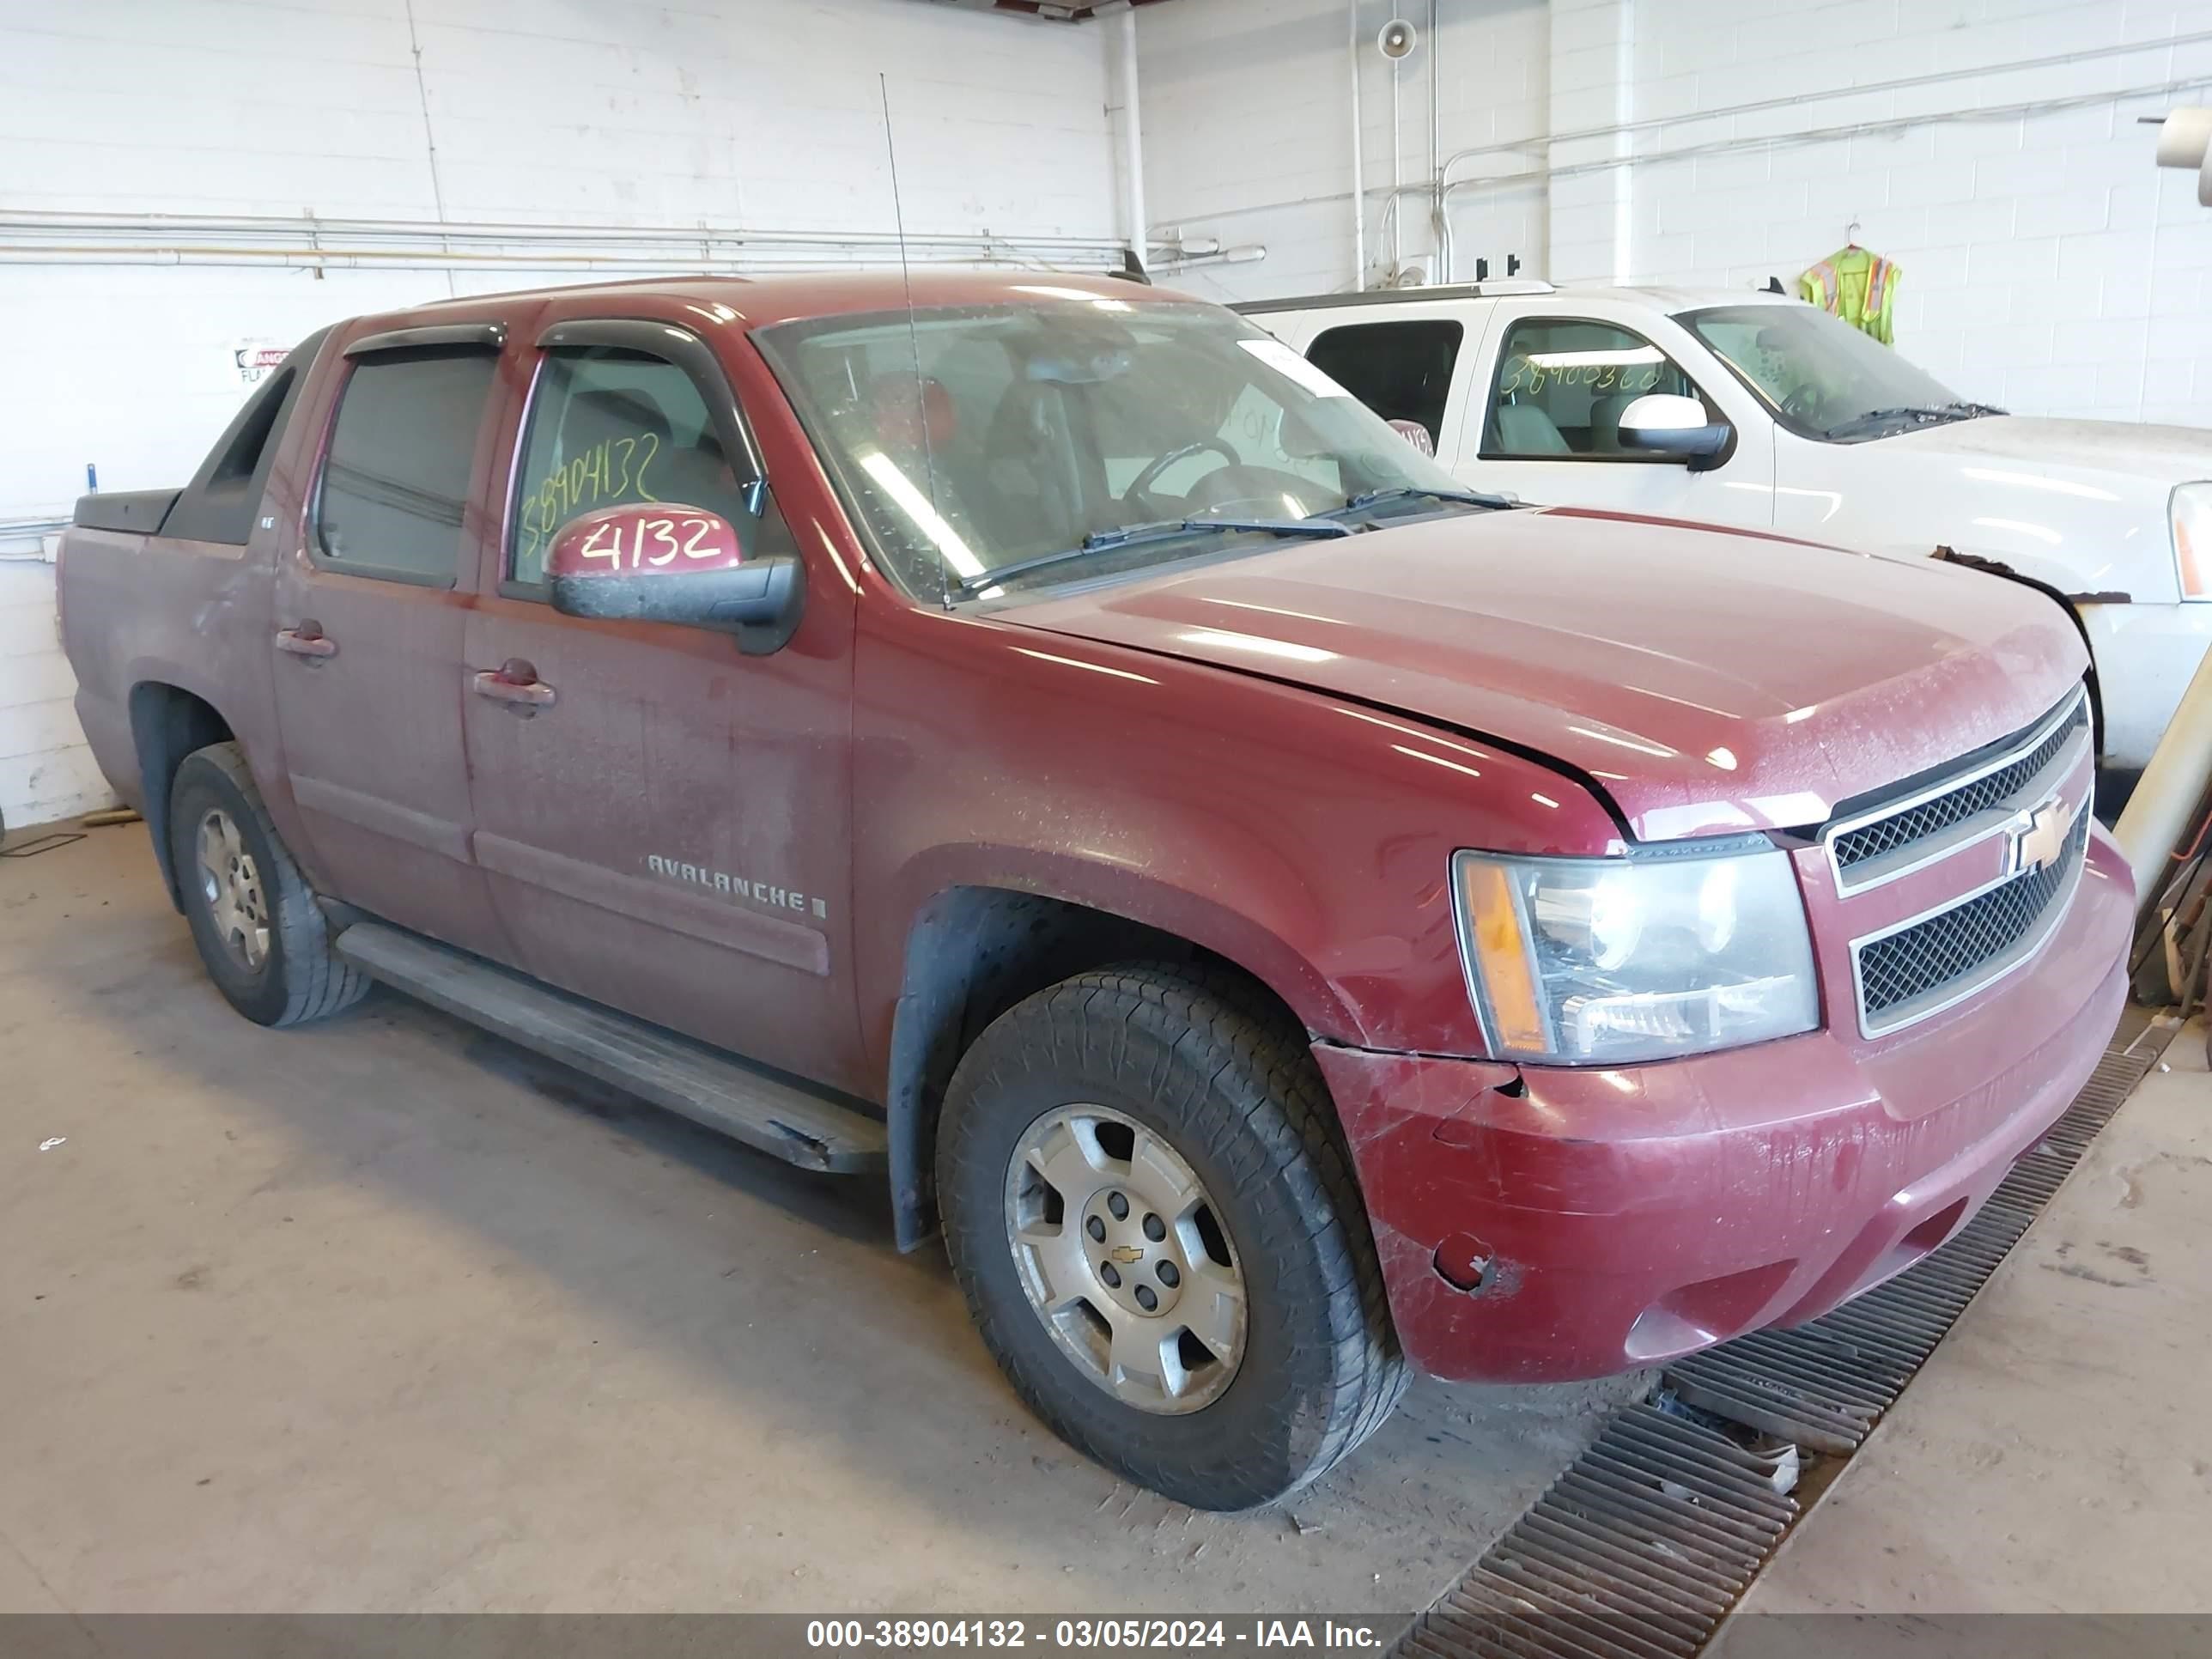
[1612,1218]
[2145,655]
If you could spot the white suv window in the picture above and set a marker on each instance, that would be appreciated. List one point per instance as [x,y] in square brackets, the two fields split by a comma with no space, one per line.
[1561,387]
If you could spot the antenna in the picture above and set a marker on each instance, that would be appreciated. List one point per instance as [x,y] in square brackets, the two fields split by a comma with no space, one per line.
[914,339]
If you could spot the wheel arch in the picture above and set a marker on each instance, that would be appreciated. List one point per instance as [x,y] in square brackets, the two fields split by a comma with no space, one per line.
[166,724]
[975,951]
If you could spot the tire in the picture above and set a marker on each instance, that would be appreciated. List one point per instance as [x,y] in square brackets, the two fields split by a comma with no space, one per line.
[293,974]
[1146,1056]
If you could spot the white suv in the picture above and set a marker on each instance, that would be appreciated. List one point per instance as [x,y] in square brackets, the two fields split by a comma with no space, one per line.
[1755,409]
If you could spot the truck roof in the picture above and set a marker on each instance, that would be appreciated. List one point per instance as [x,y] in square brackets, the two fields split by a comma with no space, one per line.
[1659,296]
[761,301]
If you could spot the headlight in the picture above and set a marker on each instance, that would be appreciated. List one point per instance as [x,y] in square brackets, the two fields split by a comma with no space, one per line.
[2189,514]
[1604,961]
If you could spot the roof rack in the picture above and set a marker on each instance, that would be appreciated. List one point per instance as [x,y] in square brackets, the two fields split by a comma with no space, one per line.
[1385,296]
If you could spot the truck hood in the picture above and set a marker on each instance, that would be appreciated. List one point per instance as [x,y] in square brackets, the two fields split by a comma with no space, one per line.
[1706,681]
[2162,456]
[2079,504]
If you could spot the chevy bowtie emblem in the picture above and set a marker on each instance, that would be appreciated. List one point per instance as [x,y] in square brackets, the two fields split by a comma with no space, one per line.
[2040,840]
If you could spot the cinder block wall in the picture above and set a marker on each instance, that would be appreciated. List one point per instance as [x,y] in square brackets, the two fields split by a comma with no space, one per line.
[2048,267]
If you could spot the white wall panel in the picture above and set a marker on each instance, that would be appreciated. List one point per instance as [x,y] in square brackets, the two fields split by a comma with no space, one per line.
[2048,267]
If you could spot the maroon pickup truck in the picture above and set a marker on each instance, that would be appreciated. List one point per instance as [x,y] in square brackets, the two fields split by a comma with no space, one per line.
[1285,919]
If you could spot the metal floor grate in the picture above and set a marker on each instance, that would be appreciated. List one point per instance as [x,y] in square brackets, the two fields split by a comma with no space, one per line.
[1640,1549]
[1635,1553]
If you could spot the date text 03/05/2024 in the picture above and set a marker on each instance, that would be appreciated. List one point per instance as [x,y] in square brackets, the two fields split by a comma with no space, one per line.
[1099,1635]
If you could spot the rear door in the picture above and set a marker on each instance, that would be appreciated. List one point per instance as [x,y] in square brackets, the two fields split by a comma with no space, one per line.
[1544,422]
[371,609]
[668,829]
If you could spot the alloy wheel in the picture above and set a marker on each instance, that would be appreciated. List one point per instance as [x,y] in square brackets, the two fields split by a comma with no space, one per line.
[1125,1259]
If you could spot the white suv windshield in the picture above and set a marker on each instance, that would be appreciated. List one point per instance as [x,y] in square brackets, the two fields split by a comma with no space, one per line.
[1822,378]
[970,439]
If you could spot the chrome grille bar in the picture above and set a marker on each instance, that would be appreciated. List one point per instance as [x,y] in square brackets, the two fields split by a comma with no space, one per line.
[1980,799]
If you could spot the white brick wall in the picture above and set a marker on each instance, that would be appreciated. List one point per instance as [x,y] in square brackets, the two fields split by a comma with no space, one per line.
[2048,267]
[753,113]
[1247,102]
[46,770]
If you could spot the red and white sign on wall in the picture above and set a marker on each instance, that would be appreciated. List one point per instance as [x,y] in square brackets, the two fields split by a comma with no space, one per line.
[255,358]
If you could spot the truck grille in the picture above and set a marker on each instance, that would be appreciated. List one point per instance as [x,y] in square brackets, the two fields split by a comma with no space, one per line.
[1930,817]
[1954,947]
[1926,963]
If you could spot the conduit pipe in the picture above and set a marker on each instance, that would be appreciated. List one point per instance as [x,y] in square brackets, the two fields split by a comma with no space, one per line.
[1359,164]
[1133,141]
[58,238]
[2158,812]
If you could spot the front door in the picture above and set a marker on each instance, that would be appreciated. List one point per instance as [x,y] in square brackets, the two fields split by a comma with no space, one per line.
[665,821]
[1548,429]
[371,613]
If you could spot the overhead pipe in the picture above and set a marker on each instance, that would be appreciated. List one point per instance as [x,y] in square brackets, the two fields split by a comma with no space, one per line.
[1730,146]
[322,230]
[1397,176]
[1359,164]
[1937,77]
[1439,215]
[1250,253]
[54,238]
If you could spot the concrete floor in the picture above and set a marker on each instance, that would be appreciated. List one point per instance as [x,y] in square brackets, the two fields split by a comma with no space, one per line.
[2055,1455]
[385,1315]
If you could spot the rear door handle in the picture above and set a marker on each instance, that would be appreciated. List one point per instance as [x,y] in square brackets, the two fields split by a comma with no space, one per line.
[307,640]
[516,683]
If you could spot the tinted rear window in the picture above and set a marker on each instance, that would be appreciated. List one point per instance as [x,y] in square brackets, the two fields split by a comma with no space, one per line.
[397,478]
[1402,371]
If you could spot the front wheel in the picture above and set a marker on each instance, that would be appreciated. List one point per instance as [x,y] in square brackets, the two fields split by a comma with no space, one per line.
[1155,1226]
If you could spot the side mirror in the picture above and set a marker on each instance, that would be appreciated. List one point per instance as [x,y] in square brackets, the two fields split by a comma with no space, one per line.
[1660,424]
[1415,435]
[663,561]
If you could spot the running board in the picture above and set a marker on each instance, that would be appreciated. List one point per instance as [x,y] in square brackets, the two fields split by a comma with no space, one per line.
[748,1103]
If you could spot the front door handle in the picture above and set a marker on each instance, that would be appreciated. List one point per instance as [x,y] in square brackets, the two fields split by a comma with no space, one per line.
[515,684]
[307,640]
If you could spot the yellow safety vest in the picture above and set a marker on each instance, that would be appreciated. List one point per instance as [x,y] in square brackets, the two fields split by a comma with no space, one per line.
[1856,285]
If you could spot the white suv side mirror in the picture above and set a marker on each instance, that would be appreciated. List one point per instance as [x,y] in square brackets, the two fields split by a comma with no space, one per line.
[1660,424]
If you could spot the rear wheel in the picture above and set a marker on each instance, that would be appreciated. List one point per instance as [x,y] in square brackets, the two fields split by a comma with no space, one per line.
[261,937]
[1150,1211]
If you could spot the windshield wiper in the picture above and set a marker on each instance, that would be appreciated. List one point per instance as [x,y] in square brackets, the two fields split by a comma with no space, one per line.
[1919,413]
[1133,535]
[1367,498]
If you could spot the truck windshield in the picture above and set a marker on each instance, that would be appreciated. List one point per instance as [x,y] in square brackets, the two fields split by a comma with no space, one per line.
[975,438]
[1822,378]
